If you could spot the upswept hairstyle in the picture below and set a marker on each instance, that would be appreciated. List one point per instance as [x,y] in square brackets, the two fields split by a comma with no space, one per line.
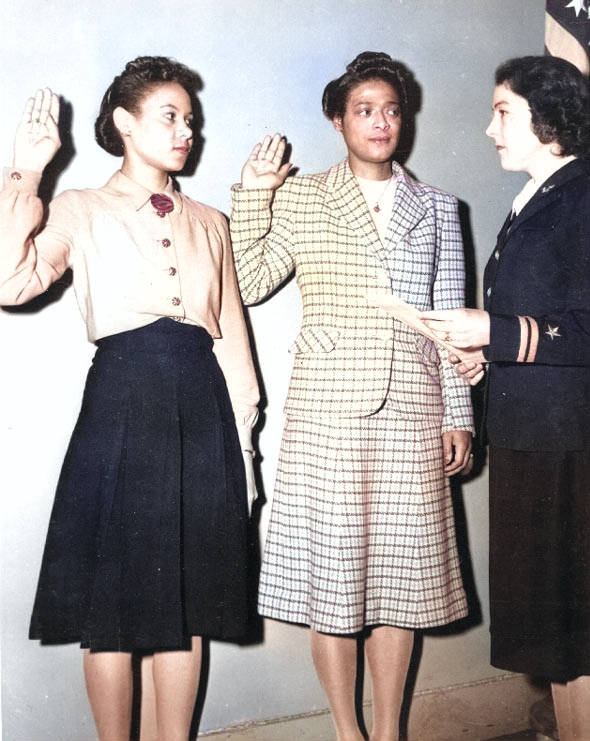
[558,97]
[369,65]
[129,89]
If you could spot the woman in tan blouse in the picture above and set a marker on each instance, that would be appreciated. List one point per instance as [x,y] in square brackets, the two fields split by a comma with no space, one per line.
[146,549]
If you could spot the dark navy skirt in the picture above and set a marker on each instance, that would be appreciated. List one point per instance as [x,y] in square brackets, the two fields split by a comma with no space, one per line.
[147,542]
[540,562]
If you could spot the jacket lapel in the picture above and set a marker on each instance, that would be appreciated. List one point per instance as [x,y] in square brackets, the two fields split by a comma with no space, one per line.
[346,199]
[547,193]
[408,208]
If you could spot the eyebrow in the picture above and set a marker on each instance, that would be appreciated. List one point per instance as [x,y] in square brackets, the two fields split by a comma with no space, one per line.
[176,108]
[499,103]
[371,102]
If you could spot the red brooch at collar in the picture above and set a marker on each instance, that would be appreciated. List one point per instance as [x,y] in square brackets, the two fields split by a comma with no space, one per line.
[162,203]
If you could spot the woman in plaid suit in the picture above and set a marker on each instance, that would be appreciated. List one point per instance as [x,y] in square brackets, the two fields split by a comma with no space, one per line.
[361,541]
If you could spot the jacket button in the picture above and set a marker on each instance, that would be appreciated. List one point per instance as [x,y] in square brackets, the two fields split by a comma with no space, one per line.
[497,254]
[489,292]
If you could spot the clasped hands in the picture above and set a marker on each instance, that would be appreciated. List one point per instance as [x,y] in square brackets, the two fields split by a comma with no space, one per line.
[468,330]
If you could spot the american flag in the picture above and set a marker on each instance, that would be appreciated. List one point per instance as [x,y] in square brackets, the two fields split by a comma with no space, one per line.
[567,31]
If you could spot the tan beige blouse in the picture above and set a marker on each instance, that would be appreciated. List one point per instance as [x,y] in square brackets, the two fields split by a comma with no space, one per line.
[131,266]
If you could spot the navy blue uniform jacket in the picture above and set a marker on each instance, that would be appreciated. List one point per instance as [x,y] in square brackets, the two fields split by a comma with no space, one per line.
[537,291]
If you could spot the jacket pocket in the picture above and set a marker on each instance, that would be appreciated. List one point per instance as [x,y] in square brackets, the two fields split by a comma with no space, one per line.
[315,340]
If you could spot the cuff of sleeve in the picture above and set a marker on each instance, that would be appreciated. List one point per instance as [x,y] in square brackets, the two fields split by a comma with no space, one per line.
[245,435]
[244,427]
[24,181]
[259,196]
[513,339]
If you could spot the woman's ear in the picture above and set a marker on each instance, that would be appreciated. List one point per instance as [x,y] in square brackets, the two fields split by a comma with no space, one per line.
[337,123]
[122,120]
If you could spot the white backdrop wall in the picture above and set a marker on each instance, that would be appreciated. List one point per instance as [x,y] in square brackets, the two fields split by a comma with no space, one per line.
[264,64]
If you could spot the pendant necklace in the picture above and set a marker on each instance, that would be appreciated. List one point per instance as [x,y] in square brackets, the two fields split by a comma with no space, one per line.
[377,207]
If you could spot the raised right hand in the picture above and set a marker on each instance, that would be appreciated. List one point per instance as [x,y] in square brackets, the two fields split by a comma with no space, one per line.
[263,168]
[37,136]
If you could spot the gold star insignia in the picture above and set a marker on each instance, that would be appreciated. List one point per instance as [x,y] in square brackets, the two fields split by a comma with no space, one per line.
[553,332]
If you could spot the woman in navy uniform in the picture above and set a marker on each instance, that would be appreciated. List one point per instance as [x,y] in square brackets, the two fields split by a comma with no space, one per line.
[534,340]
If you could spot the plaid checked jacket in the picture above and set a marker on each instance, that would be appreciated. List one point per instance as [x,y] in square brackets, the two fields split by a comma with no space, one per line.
[347,353]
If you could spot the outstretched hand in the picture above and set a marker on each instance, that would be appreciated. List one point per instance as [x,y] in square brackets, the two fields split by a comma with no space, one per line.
[465,329]
[37,136]
[264,168]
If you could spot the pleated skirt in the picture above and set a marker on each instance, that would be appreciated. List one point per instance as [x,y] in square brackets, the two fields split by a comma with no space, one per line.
[361,530]
[540,562]
[147,540]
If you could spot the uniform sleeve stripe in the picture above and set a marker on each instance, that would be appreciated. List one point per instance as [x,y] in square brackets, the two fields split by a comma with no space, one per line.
[525,336]
[534,340]
[529,339]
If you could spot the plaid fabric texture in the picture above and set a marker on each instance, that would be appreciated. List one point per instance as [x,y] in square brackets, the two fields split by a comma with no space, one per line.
[319,227]
[361,529]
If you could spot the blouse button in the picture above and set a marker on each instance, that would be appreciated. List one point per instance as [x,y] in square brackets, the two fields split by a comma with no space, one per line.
[166,243]
[176,301]
[171,271]
[16,175]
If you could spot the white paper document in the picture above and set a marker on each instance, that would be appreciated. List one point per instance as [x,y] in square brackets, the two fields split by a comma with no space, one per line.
[407,314]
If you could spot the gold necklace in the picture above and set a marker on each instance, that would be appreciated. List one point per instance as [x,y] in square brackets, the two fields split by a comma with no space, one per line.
[377,207]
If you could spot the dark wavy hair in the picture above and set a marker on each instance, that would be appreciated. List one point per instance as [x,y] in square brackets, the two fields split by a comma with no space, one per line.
[128,90]
[369,65]
[372,65]
[558,97]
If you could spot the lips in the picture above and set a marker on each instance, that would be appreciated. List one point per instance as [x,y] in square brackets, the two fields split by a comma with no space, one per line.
[182,150]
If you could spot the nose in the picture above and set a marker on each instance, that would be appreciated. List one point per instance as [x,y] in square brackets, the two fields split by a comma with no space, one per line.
[381,120]
[185,131]
[491,129]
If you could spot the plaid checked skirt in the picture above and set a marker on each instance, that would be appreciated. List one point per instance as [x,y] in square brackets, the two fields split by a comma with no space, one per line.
[361,530]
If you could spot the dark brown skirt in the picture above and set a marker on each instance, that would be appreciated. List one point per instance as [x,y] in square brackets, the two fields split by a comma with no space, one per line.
[540,562]
[148,535]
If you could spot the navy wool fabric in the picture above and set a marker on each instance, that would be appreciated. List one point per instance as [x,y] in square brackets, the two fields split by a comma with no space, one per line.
[540,562]
[147,539]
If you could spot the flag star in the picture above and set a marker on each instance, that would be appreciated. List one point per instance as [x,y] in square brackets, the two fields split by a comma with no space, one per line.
[553,332]
[578,6]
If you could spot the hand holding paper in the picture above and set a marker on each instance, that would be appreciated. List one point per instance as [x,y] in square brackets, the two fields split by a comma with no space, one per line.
[468,363]
[407,314]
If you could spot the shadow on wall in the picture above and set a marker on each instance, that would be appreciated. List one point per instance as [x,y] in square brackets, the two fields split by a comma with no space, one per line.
[255,634]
